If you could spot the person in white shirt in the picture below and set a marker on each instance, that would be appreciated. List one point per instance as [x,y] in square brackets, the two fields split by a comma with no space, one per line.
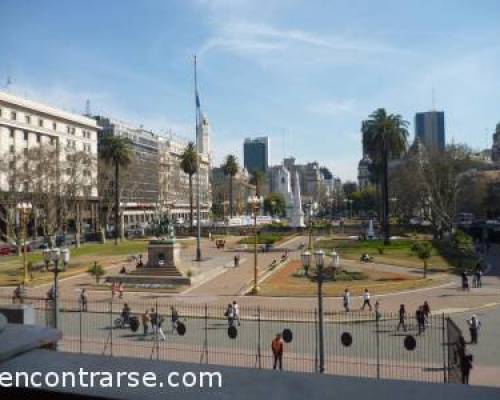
[236,311]
[346,299]
[366,300]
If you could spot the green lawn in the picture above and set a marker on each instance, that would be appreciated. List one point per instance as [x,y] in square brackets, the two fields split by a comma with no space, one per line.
[81,259]
[397,253]
[263,238]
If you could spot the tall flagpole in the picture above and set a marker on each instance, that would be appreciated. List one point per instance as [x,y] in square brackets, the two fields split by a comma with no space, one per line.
[198,216]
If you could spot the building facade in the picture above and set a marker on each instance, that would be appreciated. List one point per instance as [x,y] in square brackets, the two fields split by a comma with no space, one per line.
[256,154]
[174,183]
[495,148]
[140,188]
[30,129]
[430,130]
[242,189]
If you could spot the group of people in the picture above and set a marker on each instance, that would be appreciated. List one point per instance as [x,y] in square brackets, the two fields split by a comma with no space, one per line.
[232,314]
[117,288]
[421,316]
[347,301]
[154,319]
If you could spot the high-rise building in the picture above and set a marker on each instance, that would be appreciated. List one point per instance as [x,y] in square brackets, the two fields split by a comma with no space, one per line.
[429,129]
[256,154]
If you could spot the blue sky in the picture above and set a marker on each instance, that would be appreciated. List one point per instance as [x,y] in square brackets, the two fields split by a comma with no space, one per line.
[305,73]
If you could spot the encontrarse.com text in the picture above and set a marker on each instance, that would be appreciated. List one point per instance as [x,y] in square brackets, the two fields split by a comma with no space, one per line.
[106,379]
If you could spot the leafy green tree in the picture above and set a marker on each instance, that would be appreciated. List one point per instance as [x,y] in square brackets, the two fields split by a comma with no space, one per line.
[230,168]
[117,151]
[423,250]
[275,204]
[384,137]
[189,164]
[97,272]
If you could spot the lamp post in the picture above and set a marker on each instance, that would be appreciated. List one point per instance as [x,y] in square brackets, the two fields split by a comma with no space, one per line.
[24,209]
[255,203]
[306,261]
[56,255]
[319,255]
[335,263]
[311,208]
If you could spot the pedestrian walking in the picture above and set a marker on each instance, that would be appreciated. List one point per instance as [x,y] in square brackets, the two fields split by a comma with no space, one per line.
[420,317]
[474,326]
[17,296]
[113,290]
[145,322]
[236,312]
[236,261]
[153,316]
[120,290]
[83,300]
[466,366]
[477,278]
[174,316]
[159,322]
[465,281]
[366,300]
[230,315]
[277,349]
[346,300]
[427,311]
[377,310]
[402,318]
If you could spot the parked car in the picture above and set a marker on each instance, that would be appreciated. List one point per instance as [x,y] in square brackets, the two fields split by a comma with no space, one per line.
[7,250]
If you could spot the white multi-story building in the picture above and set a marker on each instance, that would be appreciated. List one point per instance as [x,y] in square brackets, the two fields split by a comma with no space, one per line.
[26,124]
[174,183]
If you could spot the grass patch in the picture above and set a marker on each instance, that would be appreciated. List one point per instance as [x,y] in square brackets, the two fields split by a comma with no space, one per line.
[263,238]
[81,259]
[291,281]
[399,252]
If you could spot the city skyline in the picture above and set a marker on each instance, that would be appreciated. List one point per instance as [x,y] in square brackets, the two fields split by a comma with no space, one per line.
[264,69]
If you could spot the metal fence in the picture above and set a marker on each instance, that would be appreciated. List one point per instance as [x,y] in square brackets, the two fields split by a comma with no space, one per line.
[356,343]
[456,351]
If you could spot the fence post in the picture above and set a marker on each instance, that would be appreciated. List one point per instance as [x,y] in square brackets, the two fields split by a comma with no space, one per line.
[315,340]
[157,344]
[206,333]
[377,331]
[444,346]
[80,321]
[259,357]
[111,324]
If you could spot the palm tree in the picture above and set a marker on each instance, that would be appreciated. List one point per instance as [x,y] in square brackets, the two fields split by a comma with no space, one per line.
[117,151]
[189,164]
[258,178]
[96,271]
[384,137]
[230,168]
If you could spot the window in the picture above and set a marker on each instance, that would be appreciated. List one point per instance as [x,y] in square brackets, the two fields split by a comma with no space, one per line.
[26,135]
[12,149]
[12,164]
[54,126]
[25,151]
[12,133]
[27,118]
[52,140]
[0,112]
[38,138]
[13,115]
[40,122]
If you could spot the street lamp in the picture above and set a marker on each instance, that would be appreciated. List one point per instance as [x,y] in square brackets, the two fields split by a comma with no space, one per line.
[310,210]
[255,203]
[55,255]
[24,209]
[319,255]
[335,262]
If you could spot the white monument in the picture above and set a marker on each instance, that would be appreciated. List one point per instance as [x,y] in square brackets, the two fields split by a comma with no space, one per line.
[284,187]
[297,217]
[370,234]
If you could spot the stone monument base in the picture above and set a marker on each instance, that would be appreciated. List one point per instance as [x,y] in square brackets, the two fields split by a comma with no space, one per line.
[161,268]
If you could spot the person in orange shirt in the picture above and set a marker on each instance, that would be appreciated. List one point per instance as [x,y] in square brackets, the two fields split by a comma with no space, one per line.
[277,348]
